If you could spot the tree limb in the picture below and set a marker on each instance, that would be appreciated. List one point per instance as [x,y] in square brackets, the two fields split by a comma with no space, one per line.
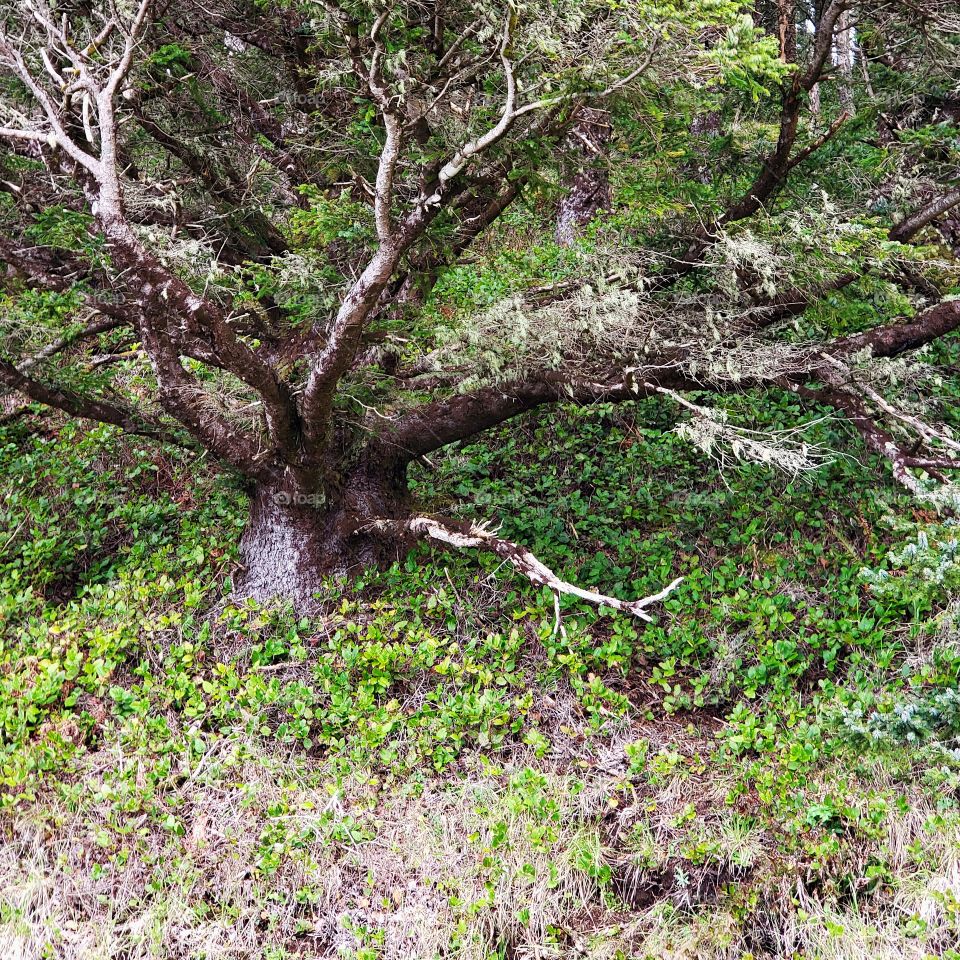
[77,405]
[916,221]
[452,533]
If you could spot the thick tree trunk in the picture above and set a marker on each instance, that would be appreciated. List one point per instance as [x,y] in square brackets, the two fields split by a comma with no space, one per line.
[293,539]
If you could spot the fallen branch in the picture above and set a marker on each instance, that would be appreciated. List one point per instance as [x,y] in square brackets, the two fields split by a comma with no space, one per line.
[452,533]
[876,438]
[929,435]
[937,207]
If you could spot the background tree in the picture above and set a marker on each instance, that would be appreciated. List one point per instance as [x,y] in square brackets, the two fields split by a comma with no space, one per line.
[242,228]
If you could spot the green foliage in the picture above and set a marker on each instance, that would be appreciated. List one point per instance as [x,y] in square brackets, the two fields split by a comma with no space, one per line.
[749,59]
[172,59]
[331,220]
[779,654]
[61,227]
[923,571]
[794,704]
[771,601]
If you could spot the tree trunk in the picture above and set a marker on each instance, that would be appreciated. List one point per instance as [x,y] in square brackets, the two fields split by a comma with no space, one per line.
[589,191]
[294,539]
[843,56]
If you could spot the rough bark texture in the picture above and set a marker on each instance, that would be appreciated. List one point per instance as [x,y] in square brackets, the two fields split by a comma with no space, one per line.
[285,548]
[589,191]
[294,539]
[843,57]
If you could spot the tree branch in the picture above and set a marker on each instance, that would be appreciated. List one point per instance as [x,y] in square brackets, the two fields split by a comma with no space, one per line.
[93,329]
[77,405]
[451,533]
[876,438]
[916,221]
[432,426]
[896,338]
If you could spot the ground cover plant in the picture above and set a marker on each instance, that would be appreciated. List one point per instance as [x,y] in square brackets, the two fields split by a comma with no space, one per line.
[364,365]
[427,768]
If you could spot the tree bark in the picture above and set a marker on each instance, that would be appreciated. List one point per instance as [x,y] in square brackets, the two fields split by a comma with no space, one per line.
[843,57]
[294,538]
[589,191]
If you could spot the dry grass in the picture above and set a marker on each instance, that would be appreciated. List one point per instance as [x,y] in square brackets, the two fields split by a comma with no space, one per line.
[415,872]
[451,867]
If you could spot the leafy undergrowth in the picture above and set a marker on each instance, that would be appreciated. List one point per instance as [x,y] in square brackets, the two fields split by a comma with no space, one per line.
[427,769]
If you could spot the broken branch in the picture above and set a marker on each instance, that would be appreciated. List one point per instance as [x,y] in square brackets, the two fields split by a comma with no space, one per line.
[479,536]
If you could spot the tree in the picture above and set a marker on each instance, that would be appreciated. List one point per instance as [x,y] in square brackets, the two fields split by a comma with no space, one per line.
[233,227]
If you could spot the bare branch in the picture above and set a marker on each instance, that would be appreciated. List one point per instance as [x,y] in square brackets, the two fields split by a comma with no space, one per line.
[876,438]
[450,533]
[11,133]
[390,155]
[507,117]
[88,408]
[56,132]
[134,37]
[915,222]
[93,329]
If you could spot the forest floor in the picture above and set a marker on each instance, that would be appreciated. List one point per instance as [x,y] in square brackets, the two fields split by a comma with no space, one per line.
[427,769]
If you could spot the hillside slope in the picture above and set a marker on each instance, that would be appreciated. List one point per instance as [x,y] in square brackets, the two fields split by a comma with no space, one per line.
[427,768]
